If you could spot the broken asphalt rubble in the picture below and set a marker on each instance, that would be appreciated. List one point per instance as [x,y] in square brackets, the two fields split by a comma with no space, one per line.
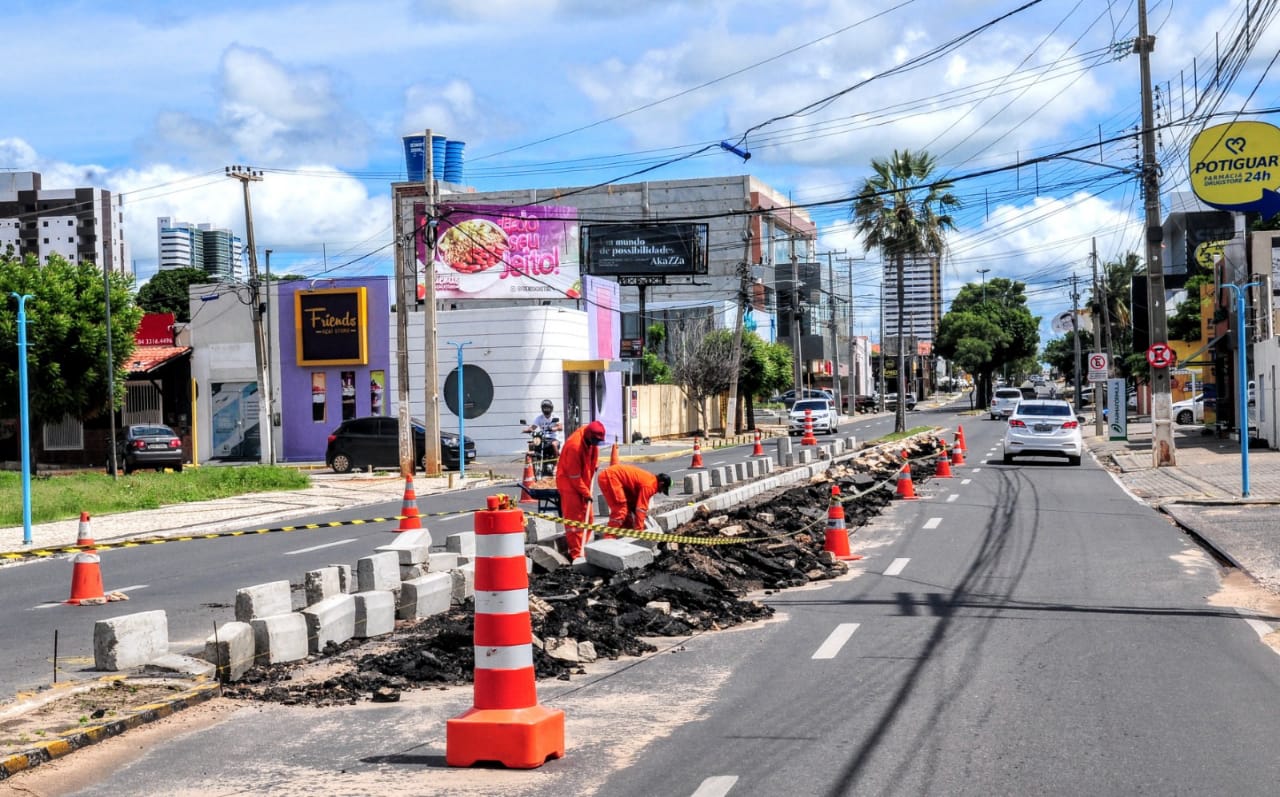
[580,613]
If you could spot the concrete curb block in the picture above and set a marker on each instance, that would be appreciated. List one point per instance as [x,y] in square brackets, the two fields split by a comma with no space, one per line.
[70,741]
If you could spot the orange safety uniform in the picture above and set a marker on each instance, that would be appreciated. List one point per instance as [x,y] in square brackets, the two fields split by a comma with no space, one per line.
[628,490]
[575,470]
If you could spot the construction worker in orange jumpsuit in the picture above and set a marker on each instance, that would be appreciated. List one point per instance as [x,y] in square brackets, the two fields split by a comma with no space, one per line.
[627,490]
[575,471]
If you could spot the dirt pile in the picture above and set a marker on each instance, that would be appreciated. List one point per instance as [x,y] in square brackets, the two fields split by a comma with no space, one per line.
[580,616]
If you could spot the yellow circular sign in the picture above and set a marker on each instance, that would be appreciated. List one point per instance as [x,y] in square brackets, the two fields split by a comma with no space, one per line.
[1236,167]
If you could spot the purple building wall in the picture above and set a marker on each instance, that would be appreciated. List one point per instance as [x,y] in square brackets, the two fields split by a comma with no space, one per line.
[303,437]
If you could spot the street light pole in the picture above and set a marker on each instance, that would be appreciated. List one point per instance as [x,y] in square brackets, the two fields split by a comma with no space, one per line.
[983,272]
[24,415]
[462,424]
[1242,384]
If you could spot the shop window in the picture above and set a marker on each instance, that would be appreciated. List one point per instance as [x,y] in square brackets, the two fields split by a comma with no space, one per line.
[318,397]
[377,386]
[348,395]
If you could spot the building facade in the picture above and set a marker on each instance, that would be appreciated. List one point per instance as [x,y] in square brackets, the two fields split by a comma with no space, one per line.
[83,225]
[921,311]
[215,250]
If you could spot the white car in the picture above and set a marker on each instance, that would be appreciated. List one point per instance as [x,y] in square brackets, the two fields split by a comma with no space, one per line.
[820,410]
[1003,402]
[1043,428]
[1189,411]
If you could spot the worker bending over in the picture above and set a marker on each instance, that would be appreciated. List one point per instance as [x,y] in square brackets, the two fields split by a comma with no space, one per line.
[627,490]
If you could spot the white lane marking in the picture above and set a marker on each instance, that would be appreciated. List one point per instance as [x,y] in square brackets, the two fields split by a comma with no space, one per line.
[952,497]
[1259,627]
[976,470]
[717,786]
[318,547]
[835,641]
[126,590]
[896,567]
[965,481]
[933,523]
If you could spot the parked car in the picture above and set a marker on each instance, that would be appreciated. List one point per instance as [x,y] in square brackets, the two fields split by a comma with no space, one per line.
[1189,411]
[789,398]
[821,410]
[1003,402]
[1043,428]
[375,442]
[148,445]
[891,401]
[860,403]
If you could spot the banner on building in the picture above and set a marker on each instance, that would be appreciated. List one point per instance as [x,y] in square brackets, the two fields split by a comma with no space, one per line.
[632,249]
[501,252]
[332,326]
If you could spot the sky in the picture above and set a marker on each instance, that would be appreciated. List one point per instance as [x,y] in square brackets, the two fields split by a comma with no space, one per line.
[153,100]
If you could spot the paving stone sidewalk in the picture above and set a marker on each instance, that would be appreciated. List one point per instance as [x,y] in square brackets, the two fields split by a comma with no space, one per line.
[1202,493]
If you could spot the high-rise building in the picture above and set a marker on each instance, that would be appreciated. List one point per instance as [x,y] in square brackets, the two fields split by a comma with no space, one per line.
[922,298]
[217,251]
[83,225]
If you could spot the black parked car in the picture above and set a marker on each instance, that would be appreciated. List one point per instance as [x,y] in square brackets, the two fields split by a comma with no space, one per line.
[148,445]
[375,442]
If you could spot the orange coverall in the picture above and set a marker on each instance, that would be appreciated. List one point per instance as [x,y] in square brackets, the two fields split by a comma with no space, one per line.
[575,471]
[628,490]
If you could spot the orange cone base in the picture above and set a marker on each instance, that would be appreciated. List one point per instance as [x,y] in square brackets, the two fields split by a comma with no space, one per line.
[906,489]
[957,456]
[86,582]
[943,470]
[522,738]
[808,439]
[837,542]
[411,523]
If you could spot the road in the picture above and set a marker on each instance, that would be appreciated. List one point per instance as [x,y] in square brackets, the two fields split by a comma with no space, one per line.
[1024,629]
[195,582]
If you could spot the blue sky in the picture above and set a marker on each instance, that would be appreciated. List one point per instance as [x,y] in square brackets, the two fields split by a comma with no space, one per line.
[154,99]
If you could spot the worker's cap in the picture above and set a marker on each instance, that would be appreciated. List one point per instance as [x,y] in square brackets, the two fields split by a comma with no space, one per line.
[595,432]
[664,484]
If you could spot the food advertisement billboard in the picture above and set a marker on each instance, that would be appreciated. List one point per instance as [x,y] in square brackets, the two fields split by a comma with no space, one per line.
[502,252]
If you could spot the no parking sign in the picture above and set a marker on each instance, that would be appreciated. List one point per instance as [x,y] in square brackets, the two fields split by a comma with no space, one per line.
[1160,355]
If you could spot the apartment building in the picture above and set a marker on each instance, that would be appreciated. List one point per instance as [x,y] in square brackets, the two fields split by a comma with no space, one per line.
[83,225]
[215,250]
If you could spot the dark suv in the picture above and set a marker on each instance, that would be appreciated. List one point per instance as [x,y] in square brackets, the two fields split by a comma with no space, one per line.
[148,445]
[375,442]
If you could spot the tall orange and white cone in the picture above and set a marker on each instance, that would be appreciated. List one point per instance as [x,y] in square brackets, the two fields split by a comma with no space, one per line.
[613,455]
[758,451]
[86,579]
[505,723]
[409,519]
[960,437]
[906,488]
[943,470]
[527,480]
[837,537]
[808,439]
[957,452]
[696,463]
[84,536]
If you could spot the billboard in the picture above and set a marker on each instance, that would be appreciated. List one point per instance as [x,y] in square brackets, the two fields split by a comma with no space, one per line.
[501,252]
[667,249]
[1236,167]
[332,326]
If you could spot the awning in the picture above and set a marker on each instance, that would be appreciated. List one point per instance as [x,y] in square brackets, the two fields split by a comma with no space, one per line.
[580,366]
[148,358]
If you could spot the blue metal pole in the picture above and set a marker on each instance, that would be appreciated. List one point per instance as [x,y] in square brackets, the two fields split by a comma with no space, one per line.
[1242,387]
[24,413]
[462,423]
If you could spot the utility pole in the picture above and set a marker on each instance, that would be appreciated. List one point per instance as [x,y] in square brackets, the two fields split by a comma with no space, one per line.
[271,399]
[797,366]
[983,272]
[882,347]
[855,363]
[1075,334]
[835,339]
[431,396]
[248,175]
[1098,427]
[405,295]
[900,417]
[1163,453]
[744,296]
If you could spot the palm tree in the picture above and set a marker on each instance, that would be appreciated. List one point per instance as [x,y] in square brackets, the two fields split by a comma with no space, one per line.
[901,212]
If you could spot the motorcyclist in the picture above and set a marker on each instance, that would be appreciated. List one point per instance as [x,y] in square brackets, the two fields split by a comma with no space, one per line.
[548,425]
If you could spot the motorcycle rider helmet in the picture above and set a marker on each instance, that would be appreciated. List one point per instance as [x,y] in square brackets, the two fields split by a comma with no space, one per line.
[547,407]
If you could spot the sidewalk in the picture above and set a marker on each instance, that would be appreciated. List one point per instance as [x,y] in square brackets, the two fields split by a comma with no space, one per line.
[1202,493]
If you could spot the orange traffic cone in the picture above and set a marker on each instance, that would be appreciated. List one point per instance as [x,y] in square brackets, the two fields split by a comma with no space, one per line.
[86,579]
[837,537]
[960,437]
[943,470]
[613,455]
[505,723]
[808,439]
[957,453]
[906,488]
[758,451]
[409,520]
[697,456]
[526,480]
[84,537]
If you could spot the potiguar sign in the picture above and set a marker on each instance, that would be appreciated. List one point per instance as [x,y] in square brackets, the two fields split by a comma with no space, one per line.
[1236,167]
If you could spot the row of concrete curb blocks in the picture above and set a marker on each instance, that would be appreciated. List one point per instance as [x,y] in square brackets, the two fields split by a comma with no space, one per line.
[83,737]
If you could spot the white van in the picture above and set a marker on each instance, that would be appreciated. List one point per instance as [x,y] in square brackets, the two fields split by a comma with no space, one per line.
[1003,402]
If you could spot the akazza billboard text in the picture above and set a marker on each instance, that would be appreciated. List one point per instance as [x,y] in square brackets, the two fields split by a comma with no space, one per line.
[675,249]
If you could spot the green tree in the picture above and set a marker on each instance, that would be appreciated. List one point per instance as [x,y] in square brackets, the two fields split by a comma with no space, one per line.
[1061,353]
[994,318]
[1185,323]
[166,292]
[1110,300]
[67,371]
[765,370]
[901,212]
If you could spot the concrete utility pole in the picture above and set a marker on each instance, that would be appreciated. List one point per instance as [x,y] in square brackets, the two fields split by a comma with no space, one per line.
[744,296]
[1163,453]
[835,339]
[430,365]
[1075,334]
[797,365]
[248,175]
[405,295]
[855,363]
[270,319]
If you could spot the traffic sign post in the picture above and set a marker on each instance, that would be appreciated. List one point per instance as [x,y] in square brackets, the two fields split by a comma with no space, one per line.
[1098,366]
[1159,355]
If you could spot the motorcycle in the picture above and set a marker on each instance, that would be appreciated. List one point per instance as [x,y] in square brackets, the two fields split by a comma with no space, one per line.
[544,452]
